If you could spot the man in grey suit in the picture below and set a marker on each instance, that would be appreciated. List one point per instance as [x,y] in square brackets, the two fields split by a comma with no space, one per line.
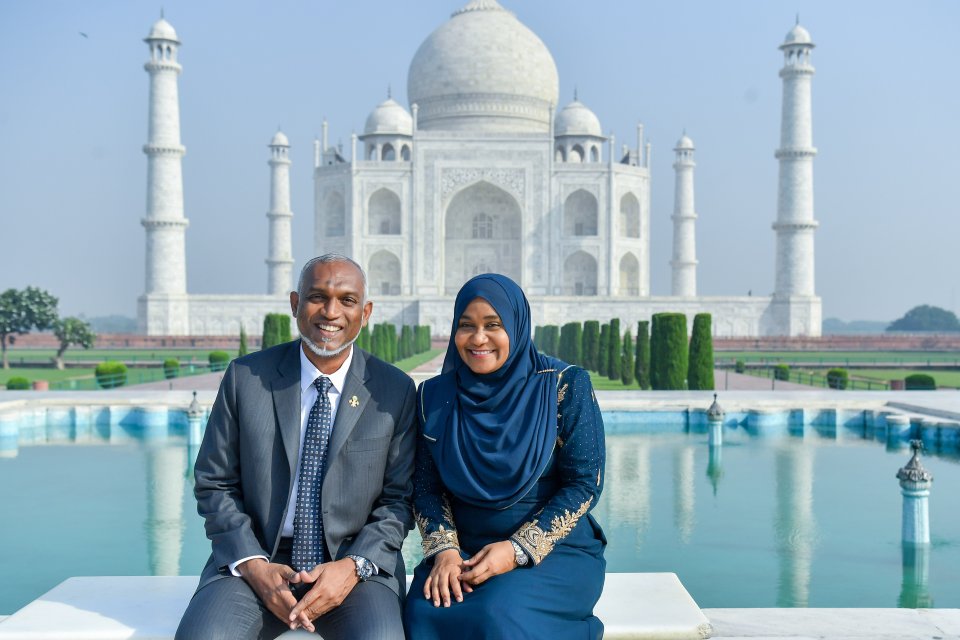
[268,467]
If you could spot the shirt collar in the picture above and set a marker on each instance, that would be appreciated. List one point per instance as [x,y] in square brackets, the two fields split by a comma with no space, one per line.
[309,372]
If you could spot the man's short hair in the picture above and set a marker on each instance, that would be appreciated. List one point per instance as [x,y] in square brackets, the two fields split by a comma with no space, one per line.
[324,259]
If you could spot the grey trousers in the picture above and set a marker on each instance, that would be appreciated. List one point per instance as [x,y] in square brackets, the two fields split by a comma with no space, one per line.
[228,609]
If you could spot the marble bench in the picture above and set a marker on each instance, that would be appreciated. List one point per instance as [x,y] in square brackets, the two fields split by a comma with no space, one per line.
[633,605]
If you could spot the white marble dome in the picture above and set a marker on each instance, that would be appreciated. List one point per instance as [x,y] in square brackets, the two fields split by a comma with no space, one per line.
[576,119]
[684,143]
[797,35]
[162,30]
[483,70]
[279,140]
[389,117]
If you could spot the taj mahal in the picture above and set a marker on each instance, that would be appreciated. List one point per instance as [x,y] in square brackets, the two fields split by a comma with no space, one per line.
[485,171]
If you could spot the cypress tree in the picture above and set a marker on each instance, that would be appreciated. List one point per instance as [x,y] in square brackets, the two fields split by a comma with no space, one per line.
[626,363]
[615,349]
[551,340]
[591,342]
[538,338]
[390,334]
[668,351]
[700,371]
[603,350]
[242,350]
[271,330]
[283,328]
[576,344]
[363,340]
[406,342]
[642,358]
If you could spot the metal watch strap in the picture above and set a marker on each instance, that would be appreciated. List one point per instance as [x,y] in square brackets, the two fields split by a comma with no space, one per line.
[519,554]
[364,567]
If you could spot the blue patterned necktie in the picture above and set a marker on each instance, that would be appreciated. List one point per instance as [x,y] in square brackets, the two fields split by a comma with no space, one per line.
[307,521]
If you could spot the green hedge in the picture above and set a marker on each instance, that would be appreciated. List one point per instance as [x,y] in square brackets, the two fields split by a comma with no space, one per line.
[700,365]
[571,338]
[615,347]
[603,350]
[18,383]
[668,351]
[781,372]
[838,379]
[626,360]
[111,374]
[590,345]
[218,360]
[920,382]
[171,368]
[276,330]
[641,364]
[740,366]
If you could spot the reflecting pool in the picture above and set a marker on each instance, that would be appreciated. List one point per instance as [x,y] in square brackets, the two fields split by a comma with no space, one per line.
[786,521]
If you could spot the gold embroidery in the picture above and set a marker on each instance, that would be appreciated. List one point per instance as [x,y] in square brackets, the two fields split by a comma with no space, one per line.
[440,539]
[448,512]
[546,370]
[562,393]
[422,523]
[539,543]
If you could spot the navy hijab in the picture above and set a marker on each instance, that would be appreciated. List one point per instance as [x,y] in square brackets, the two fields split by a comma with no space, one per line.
[492,435]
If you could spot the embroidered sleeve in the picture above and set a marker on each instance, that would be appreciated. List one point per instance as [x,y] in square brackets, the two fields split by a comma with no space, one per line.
[580,463]
[431,505]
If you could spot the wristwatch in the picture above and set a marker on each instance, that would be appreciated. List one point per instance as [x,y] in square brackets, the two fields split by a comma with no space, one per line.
[519,554]
[364,567]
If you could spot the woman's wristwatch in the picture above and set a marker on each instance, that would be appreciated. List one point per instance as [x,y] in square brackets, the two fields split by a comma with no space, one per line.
[519,554]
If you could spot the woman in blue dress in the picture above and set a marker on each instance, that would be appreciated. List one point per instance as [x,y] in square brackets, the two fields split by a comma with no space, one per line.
[510,461]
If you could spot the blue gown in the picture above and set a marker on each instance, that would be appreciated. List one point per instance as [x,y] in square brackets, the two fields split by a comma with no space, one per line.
[554,595]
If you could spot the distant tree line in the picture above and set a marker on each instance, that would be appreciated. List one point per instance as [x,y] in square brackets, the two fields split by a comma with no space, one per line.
[658,356]
[926,318]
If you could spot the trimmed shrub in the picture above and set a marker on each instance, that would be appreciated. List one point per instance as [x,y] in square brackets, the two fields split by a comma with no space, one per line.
[423,338]
[242,349]
[837,379]
[616,349]
[700,364]
[538,338]
[740,366]
[363,340]
[603,350]
[405,348]
[549,342]
[626,361]
[571,336]
[668,351]
[171,368]
[641,361]
[18,383]
[590,343]
[218,360]
[781,372]
[110,374]
[916,382]
[276,330]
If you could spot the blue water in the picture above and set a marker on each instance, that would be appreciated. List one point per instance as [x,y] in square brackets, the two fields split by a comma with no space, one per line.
[783,521]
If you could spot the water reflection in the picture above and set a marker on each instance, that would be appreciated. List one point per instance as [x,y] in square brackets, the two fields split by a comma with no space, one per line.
[684,495]
[626,493]
[914,591]
[164,524]
[794,525]
[715,467]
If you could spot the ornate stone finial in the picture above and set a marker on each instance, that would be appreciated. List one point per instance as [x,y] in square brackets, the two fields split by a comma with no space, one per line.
[913,471]
[798,17]
[161,13]
[389,92]
[575,98]
[715,412]
[194,410]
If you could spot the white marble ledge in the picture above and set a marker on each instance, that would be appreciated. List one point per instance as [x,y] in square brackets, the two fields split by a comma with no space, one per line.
[835,624]
[633,605]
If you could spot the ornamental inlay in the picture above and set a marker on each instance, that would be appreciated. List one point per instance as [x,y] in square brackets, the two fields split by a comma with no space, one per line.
[511,180]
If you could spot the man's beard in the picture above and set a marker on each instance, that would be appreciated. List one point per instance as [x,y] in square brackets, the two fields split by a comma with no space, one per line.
[327,353]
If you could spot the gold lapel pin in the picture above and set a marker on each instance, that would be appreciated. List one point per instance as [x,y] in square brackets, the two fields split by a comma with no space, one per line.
[354,402]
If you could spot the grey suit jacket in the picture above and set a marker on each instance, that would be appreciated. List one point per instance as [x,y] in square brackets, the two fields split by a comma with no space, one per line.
[245,465]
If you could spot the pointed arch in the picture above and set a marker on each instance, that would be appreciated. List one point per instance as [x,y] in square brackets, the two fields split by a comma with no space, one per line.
[384,213]
[629,275]
[580,214]
[383,274]
[630,216]
[580,274]
[483,227]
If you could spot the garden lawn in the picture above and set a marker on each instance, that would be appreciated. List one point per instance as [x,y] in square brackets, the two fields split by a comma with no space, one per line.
[943,378]
[50,375]
[843,358]
[409,364]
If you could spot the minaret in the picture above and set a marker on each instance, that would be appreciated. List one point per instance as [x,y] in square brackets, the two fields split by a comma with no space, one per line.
[795,224]
[166,271]
[279,259]
[684,262]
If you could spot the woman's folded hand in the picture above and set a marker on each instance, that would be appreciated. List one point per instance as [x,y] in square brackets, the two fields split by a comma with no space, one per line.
[444,579]
[492,560]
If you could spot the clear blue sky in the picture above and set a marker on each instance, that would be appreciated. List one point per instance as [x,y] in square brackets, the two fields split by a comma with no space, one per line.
[886,102]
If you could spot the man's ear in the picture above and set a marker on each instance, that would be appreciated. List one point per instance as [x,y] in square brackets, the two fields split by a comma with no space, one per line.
[367,312]
[294,302]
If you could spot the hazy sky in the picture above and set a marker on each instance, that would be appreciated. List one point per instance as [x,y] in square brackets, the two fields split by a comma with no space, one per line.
[886,102]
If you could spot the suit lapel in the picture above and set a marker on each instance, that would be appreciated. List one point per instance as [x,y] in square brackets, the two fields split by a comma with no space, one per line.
[286,404]
[353,401]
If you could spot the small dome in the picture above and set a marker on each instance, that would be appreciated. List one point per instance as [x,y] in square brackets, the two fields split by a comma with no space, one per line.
[684,143]
[797,35]
[162,30]
[576,119]
[483,70]
[389,117]
[279,140]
